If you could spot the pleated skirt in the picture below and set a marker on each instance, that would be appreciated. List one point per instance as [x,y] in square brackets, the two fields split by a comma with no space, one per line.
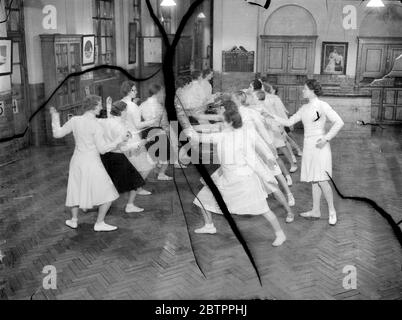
[243,195]
[89,185]
[315,162]
[123,174]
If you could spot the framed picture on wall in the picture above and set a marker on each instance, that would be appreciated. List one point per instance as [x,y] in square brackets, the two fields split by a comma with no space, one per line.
[152,49]
[6,56]
[334,57]
[132,42]
[88,49]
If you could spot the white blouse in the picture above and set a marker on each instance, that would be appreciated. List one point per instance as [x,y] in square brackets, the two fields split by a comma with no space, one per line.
[314,116]
[151,109]
[88,133]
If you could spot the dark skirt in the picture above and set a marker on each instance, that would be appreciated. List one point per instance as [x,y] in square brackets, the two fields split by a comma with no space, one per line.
[161,151]
[123,174]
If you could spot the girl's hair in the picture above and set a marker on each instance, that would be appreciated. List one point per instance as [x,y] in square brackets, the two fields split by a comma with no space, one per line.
[232,115]
[206,72]
[154,89]
[126,88]
[257,85]
[117,108]
[315,86]
[274,89]
[260,95]
[241,96]
[90,102]
[196,74]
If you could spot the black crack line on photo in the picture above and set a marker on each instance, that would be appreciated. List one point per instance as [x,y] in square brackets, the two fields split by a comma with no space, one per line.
[395,226]
[8,13]
[265,6]
[71,75]
[362,123]
[169,79]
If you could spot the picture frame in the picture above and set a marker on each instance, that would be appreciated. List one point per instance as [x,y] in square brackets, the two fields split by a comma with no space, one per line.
[334,58]
[6,56]
[152,49]
[132,42]
[88,49]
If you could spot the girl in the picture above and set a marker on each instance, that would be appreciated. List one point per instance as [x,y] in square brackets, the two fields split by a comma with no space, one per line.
[317,158]
[290,142]
[124,176]
[150,109]
[253,120]
[256,101]
[241,182]
[139,158]
[88,182]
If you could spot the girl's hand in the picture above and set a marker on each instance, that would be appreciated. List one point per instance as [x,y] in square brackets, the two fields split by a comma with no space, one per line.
[109,101]
[268,115]
[321,143]
[53,110]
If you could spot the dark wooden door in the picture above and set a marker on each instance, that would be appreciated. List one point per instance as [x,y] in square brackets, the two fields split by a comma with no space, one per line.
[287,55]
[275,56]
[394,51]
[373,60]
[19,76]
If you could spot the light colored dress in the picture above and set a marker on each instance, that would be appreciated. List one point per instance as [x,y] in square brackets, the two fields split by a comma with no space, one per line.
[207,91]
[151,109]
[316,162]
[242,179]
[273,106]
[140,158]
[251,118]
[89,185]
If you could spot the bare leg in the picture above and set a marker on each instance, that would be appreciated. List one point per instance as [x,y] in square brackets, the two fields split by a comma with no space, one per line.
[73,223]
[316,212]
[280,235]
[131,197]
[282,182]
[162,173]
[141,191]
[288,157]
[279,196]
[289,147]
[102,211]
[294,144]
[209,224]
[329,196]
[74,213]
[131,207]
[100,224]
[285,171]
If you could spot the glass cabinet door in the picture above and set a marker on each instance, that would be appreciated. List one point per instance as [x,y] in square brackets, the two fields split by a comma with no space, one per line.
[75,66]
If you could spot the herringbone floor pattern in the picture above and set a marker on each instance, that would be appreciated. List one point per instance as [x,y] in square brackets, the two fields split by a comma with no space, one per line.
[149,257]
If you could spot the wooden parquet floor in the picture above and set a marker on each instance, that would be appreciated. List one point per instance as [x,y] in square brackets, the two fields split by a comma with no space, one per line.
[149,257]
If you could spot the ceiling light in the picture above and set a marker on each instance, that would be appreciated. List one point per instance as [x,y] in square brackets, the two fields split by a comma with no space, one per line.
[201,15]
[375,4]
[168,3]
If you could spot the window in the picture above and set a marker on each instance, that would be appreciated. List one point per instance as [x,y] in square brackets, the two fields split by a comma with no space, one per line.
[13,8]
[103,20]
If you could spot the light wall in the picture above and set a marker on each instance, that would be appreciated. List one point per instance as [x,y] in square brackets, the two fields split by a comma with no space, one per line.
[73,17]
[238,23]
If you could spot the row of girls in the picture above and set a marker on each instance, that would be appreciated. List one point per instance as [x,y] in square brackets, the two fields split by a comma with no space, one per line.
[250,167]
[110,156]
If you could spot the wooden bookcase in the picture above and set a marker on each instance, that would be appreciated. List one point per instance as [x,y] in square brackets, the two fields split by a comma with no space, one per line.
[61,56]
